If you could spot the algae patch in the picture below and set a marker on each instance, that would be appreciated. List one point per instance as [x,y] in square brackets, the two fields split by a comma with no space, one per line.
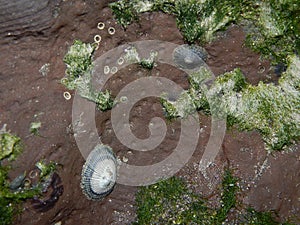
[272,26]
[10,145]
[10,148]
[273,110]
[78,74]
[170,202]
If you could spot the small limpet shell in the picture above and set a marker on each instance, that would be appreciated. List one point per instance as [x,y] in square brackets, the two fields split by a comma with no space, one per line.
[99,173]
[17,182]
[189,56]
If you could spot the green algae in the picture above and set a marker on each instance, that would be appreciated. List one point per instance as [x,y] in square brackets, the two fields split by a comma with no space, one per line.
[10,145]
[275,29]
[273,110]
[79,60]
[10,200]
[148,63]
[190,100]
[46,169]
[272,27]
[34,128]
[171,202]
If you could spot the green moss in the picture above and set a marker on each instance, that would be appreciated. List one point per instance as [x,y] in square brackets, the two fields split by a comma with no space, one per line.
[10,146]
[259,218]
[228,197]
[272,27]
[78,61]
[10,200]
[273,110]
[170,202]
[78,75]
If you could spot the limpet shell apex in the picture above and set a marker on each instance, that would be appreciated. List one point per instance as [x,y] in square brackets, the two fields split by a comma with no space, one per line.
[189,56]
[99,173]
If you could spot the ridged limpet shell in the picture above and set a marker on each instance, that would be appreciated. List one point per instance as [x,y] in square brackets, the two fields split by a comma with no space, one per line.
[189,56]
[99,173]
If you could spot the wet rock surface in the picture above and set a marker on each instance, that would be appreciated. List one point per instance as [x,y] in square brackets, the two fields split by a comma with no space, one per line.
[36,33]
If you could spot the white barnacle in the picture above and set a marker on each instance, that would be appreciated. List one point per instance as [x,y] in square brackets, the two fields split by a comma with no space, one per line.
[123,99]
[106,70]
[100,25]
[114,70]
[97,38]
[120,61]
[67,95]
[111,30]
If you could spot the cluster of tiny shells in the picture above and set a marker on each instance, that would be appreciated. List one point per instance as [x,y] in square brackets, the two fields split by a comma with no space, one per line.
[101,26]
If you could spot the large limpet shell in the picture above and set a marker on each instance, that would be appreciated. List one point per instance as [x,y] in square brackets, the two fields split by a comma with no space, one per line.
[99,173]
[189,56]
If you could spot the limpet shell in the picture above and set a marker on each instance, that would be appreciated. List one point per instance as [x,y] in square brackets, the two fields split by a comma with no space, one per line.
[17,182]
[99,173]
[189,56]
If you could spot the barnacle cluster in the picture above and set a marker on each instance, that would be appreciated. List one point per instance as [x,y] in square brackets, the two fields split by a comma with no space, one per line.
[78,75]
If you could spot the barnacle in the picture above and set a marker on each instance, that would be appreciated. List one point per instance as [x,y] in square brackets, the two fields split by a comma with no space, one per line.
[97,38]
[111,30]
[67,95]
[100,25]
